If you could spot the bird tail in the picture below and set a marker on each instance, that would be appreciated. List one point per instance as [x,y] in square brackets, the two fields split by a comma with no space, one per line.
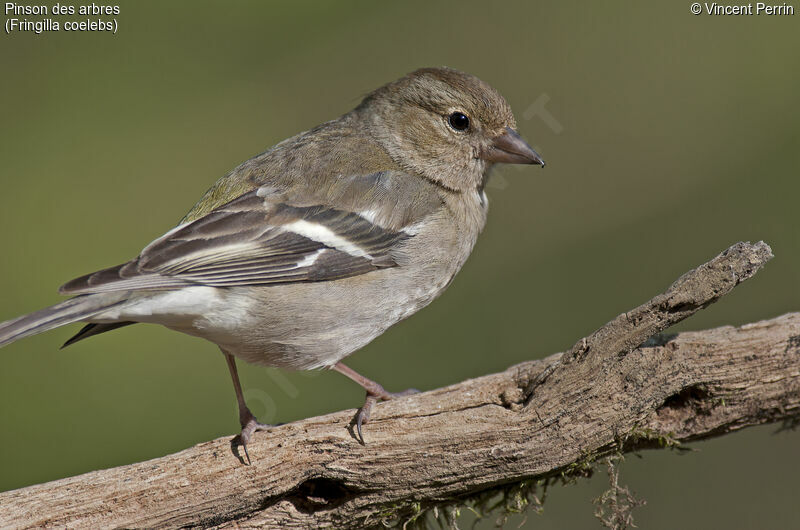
[67,312]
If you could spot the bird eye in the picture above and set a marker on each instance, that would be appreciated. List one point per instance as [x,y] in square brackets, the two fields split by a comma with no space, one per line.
[458,121]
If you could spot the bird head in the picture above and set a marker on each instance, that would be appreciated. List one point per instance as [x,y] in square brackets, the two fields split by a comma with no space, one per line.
[447,126]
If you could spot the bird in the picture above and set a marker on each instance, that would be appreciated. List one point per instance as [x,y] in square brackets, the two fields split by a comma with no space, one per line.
[305,253]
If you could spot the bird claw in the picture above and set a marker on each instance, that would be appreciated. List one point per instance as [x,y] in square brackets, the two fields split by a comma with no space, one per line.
[249,425]
[374,393]
[363,414]
[404,393]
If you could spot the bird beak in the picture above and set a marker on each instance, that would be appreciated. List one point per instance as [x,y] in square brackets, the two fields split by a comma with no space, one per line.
[509,148]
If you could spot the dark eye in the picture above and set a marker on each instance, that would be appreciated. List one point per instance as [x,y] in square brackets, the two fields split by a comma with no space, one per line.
[458,121]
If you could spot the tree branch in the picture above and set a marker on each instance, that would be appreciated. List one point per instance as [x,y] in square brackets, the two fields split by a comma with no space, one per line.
[619,389]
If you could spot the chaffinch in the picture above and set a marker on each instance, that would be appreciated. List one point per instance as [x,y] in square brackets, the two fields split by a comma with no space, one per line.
[305,253]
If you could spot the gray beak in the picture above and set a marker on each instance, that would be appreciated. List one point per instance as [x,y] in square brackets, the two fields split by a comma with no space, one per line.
[510,148]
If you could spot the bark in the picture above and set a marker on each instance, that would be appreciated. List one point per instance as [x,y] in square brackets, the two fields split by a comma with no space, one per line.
[622,388]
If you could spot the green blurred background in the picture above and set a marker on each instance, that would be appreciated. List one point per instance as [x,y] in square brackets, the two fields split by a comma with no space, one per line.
[668,137]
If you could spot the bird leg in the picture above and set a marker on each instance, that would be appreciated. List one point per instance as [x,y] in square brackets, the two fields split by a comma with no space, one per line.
[248,422]
[374,393]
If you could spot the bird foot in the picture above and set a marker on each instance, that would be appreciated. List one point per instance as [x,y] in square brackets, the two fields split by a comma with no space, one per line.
[373,395]
[249,425]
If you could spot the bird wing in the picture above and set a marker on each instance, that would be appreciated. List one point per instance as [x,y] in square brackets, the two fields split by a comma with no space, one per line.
[254,240]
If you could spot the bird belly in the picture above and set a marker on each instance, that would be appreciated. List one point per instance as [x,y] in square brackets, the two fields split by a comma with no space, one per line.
[315,325]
